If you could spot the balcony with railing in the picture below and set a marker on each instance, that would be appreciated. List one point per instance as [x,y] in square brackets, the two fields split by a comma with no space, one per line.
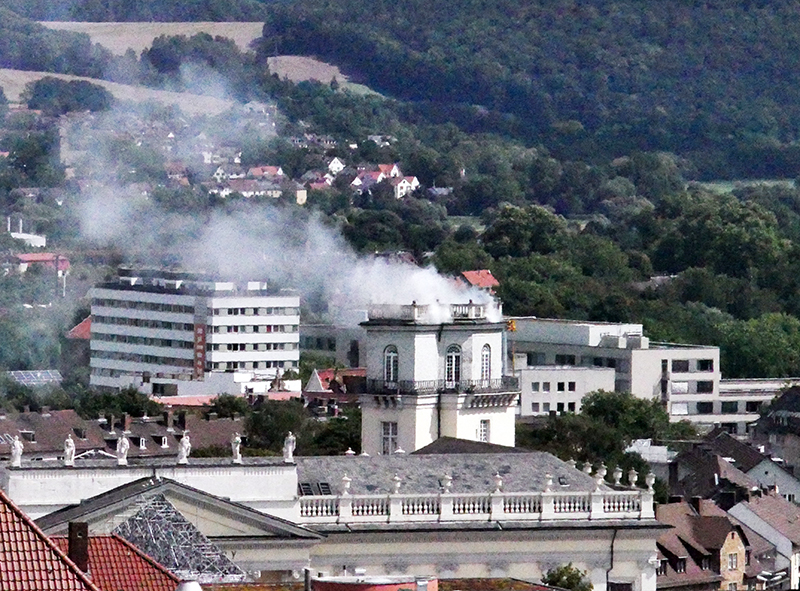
[497,506]
[503,384]
[428,313]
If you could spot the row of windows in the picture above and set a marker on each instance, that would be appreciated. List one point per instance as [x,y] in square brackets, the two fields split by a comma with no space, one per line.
[452,368]
[538,358]
[251,347]
[255,328]
[231,365]
[560,386]
[138,358]
[255,311]
[546,407]
[729,407]
[132,340]
[143,323]
[682,365]
[152,306]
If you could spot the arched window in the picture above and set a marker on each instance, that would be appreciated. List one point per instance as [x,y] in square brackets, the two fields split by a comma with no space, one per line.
[486,363]
[390,364]
[452,366]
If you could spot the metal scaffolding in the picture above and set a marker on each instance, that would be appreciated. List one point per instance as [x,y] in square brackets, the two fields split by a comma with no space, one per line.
[160,531]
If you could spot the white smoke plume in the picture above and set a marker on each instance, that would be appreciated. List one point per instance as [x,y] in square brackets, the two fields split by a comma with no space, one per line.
[286,247]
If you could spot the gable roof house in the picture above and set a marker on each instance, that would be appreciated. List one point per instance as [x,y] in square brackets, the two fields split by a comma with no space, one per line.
[257,541]
[29,560]
[777,520]
[703,550]
[115,564]
[763,469]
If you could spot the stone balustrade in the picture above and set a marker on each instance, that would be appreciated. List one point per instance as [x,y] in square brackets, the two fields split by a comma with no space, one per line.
[497,506]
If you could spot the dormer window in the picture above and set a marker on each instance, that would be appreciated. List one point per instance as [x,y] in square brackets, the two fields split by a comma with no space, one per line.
[680,565]
[164,442]
[28,436]
[142,443]
[390,364]
[662,567]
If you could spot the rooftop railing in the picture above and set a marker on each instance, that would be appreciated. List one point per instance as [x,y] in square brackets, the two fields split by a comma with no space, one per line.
[501,384]
[497,506]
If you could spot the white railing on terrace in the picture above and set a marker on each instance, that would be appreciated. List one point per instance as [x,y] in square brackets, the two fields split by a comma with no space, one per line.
[498,506]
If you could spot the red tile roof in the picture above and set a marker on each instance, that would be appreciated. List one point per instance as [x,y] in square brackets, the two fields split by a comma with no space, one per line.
[117,565]
[482,278]
[44,257]
[83,330]
[29,560]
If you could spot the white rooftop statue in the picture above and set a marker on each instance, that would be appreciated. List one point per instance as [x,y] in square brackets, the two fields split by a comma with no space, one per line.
[123,445]
[184,449]
[16,452]
[236,452]
[288,448]
[69,451]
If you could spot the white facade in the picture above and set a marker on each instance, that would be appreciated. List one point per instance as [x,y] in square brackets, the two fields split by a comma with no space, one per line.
[685,377]
[435,373]
[182,335]
[558,389]
[486,532]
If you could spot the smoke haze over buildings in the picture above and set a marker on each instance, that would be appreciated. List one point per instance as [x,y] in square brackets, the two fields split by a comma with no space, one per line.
[288,248]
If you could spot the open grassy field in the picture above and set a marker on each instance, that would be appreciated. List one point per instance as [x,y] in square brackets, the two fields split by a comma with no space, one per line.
[13,83]
[119,37]
[729,186]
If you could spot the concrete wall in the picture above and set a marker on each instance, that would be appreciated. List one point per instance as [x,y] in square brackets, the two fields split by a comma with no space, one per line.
[39,491]
[585,380]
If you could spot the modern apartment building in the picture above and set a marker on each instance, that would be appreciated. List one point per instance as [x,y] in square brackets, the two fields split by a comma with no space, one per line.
[685,377]
[165,332]
[547,389]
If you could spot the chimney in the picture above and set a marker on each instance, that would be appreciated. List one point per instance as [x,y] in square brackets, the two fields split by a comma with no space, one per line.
[213,416]
[126,423]
[45,412]
[20,225]
[169,421]
[78,551]
[110,419]
[182,420]
[696,503]
[8,219]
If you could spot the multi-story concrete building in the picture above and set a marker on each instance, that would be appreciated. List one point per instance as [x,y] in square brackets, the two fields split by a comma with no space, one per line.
[557,389]
[165,332]
[685,377]
[435,371]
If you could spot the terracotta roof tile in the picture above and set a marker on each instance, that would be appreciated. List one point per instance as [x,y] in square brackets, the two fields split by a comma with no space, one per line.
[117,565]
[481,278]
[82,330]
[30,560]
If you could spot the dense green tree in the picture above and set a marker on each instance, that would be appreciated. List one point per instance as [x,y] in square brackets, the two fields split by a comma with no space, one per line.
[567,577]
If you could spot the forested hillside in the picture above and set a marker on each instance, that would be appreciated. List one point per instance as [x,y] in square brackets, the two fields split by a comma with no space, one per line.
[715,81]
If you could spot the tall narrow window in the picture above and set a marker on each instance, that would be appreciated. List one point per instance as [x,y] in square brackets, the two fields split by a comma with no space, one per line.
[388,438]
[483,433]
[390,364]
[452,368]
[486,363]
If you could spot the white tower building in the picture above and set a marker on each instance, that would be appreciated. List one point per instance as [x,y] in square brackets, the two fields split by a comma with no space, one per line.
[435,371]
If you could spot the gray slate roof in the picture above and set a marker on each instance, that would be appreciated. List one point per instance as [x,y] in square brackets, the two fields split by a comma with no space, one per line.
[471,473]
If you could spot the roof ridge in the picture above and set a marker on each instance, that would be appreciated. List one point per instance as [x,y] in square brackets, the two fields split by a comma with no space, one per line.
[145,556]
[37,531]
